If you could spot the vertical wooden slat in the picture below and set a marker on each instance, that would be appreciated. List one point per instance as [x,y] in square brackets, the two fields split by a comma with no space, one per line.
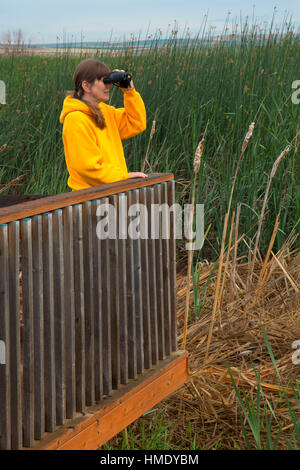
[138,290]
[5,414]
[152,279]
[172,266]
[97,301]
[106,307]
[114,300]
[59,315]
[88,255]
[166,266]
[27,336]
[49,342]
[144,243]
[15,339]
[159,272]
[69,311]
[38,318]
[122,240]
[131,306]
[79,309]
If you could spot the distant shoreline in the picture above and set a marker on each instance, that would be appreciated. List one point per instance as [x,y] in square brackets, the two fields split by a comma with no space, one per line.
[50,52]
[138,46]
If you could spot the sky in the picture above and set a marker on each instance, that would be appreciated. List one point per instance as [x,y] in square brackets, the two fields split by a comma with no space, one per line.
[43,21]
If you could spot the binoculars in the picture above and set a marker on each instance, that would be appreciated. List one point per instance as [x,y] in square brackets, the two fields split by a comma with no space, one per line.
[121,79]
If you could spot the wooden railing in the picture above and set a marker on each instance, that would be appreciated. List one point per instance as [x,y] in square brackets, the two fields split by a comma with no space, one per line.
[79,315]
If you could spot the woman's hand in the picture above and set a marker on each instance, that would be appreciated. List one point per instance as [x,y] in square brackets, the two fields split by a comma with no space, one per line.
[130,83]
[138,174]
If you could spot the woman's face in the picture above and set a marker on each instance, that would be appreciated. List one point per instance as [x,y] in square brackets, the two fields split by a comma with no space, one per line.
[98,91]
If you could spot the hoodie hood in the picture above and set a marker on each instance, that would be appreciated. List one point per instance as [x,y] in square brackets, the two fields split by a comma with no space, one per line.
[73,104]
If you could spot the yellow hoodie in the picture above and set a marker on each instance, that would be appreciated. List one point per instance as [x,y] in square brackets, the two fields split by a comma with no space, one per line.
[93,155]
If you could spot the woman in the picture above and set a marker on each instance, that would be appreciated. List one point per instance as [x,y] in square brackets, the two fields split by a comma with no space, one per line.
[92,130]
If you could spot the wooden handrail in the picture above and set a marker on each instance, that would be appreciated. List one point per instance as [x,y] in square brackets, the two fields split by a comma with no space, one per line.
[50,203]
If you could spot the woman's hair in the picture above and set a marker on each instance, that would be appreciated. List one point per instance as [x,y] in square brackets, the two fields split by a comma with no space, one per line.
[89,70]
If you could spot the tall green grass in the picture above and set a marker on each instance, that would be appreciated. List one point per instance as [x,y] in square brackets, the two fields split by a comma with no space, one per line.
[155,431]
[243,76]
[262,429]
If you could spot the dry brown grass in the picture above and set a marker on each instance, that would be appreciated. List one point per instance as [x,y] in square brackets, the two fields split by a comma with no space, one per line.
[207,406]
[242,301]
[208,401]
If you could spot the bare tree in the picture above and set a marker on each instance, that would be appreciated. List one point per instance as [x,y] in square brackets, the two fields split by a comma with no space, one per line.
[13,41]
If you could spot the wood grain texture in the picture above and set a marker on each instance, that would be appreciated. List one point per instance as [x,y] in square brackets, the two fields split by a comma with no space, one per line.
[127,404]
[50,203]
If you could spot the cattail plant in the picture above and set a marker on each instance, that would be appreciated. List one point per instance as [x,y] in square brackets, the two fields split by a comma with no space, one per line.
[197,162]
[274,168]
[14,182]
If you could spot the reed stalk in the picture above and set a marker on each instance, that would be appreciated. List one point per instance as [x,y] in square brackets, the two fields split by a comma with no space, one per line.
[216,298]
[262,278]
[273,171]
[148,147]
[11,183]
[236,233]
[197,162]
[227,261]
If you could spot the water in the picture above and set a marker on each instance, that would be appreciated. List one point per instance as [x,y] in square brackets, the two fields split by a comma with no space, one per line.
[140,44]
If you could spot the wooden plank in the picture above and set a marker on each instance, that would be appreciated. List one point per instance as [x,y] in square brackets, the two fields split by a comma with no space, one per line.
[27,336]
[59,315]
[165,242]
[97,299]
[69,311]
[145,278]
[132,350]
[50,203]
[138,295]
[159,273]
[15,337]
[38,319]
[49,341]
[88,255]
[114,299]
[79,309]
[126,405]
[172,267]
[122,240]
[5,394]
[106,304]
[152,280]
[13,199]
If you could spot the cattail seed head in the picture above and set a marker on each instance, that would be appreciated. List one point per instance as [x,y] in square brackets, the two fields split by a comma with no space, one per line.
[198,155]
[248,137]
[152,129]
